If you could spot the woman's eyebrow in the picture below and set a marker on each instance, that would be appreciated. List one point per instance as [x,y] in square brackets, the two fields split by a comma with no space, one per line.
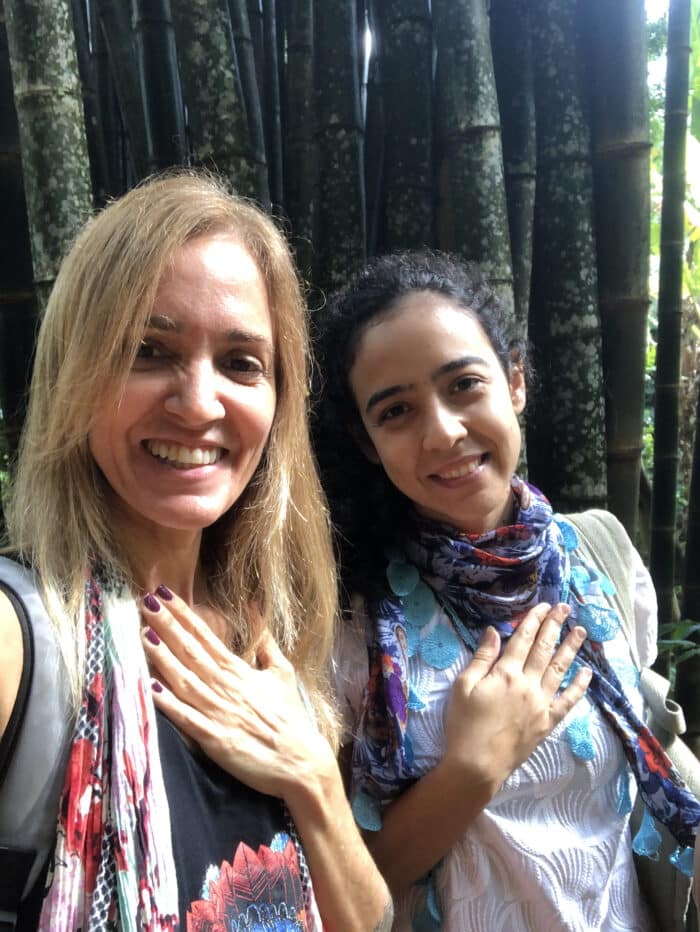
[385,393]
[166,324]
[459,364]
[441,370]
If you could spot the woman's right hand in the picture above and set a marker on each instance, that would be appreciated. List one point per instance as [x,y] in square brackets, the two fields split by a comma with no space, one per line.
[501,708]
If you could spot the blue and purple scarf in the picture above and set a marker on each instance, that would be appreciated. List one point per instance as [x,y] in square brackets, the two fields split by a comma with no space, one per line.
[494,579]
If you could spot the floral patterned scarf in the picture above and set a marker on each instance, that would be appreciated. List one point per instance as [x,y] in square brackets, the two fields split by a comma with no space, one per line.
[113,867]
[495,579]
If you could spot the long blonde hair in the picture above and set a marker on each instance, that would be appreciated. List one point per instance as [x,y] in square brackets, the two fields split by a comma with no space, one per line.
[273,547]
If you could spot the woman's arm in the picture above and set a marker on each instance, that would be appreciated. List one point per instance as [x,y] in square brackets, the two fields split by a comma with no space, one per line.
[252,721]
[12,653]
[499,711]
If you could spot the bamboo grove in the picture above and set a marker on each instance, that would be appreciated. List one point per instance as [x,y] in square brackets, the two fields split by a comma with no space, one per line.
[514,132]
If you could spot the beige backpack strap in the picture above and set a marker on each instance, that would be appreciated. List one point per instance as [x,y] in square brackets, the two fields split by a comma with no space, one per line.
[604,543]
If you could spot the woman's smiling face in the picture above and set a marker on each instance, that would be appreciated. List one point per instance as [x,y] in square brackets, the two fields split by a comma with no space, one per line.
[439,412]
[182,441]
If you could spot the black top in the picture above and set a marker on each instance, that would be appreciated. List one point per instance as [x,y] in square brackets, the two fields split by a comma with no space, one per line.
[237,864]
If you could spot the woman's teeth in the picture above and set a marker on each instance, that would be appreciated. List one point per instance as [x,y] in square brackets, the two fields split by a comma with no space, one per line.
[460,471]
[184,457]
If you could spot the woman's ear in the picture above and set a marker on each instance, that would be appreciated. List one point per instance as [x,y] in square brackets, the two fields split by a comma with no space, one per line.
[357,429]
[518,393]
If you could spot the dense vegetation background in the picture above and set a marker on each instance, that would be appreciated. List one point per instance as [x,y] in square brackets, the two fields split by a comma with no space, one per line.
[521,133]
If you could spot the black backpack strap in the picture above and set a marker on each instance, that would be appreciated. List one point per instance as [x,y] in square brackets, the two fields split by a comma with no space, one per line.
[9,738]
[15,862]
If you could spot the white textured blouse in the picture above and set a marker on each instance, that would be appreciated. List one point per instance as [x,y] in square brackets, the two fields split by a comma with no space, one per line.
[550,852]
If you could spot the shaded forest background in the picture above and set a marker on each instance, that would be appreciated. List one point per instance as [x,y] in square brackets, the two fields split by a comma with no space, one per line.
[514,132]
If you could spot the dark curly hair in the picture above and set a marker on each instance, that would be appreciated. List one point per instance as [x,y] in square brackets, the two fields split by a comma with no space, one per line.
[367,510]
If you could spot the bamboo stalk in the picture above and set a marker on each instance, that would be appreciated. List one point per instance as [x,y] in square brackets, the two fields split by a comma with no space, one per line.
[566,442]
[472,213]
[111,139]
[620,132]
[114,27]
[252,87]
[512,60]
[273,118]
[407,83]
[154,38]
[339,226]
[663,503]
[375,137]
[88,82]
[51,130]
[218,126]
[18,306]
[299,145]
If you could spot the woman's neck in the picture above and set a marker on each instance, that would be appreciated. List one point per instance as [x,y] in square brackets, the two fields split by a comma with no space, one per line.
[159,555]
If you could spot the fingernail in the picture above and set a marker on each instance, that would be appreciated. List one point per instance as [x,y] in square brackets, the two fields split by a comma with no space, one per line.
[152,636]
[151,602]
[164,592]
[580,632]
[156,686]
[564,609]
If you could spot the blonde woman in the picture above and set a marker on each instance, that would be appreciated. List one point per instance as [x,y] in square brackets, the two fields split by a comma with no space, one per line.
[167,511]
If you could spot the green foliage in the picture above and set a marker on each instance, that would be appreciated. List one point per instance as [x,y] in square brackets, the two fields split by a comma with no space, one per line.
[676,644]
[695,69]
[690,366]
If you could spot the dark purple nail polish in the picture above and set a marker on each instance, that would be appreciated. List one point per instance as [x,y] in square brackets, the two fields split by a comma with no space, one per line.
[164,592]
[152,637]
[151,602]
[156,686]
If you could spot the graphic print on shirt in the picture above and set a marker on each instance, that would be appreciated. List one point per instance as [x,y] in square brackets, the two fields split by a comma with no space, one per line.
[259,892]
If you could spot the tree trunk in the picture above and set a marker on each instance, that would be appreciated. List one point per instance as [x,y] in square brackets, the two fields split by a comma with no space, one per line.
[339,223]
[252,89]
[211,89]
[663,503]
[299,151]
[407,82]
[51,130]
[512,60]
[18,310]
[160,83]
[566,452]
[472,215]
[620,127]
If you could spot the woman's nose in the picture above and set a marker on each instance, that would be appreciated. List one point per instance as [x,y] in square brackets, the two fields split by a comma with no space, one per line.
[443,428]
[194,397]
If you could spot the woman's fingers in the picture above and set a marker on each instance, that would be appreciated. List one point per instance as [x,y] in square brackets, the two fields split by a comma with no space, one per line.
[186,636]
[520,643]
[567,698]
[561,660]
[483,659]
[190,680]
[546,641]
